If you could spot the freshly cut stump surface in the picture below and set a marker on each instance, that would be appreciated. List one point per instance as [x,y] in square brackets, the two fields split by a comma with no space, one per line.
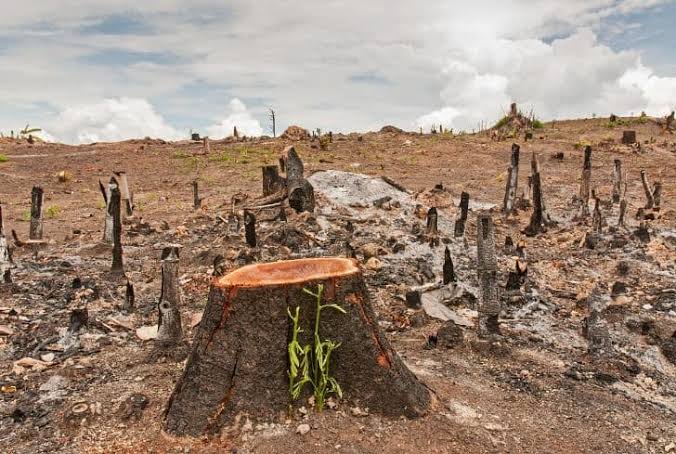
[239,360]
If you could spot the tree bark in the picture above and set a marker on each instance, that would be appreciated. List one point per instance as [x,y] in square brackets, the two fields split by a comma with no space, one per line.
[127,202]
[629,137]
[489,303]
[512,182]
[108,225]
[459,229]
[617,180]
[448,273]
[272,182]
[301,192]
[432,222]
[597,219]
[650,200]
[250,228]
[114,210]
[196,201]
[239,360]
[657,195]
[5,256]
[169,331]
[129,298]
[37,199]
[585,184]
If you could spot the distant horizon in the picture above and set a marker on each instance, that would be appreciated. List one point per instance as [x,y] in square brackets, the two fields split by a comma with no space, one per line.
[105,71]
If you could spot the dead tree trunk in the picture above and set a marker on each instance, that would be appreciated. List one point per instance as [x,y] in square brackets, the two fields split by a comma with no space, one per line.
[512,182]
[114,210]
[617,180]
[5,256]
[539,217]
[250,228]
[169,331]
[196,201]
[239,362]
[657,195]
[585,184]
[37,199]
[108,226]
[127,202]
[597,218]
[129,298]
[301,193]
[650,200]
[207,146]
[459,229]
[272,182]
[489,304]
[596,328]
[449,274]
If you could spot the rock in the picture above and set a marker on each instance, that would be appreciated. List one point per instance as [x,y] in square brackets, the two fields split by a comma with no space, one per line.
[147,332]
[303,429]
[370,250]
[133,406]
[450,335]
[47,357]
[390,128]
[54,388]
[374,264]
[21,365]
[6,330]
[356,411]
[669,348]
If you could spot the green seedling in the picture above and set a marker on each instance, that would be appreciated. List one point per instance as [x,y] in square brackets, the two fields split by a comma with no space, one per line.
[312,366]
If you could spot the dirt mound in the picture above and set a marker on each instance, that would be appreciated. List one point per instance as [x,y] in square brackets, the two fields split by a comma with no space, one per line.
[390,128]
[511,125]
[296,133]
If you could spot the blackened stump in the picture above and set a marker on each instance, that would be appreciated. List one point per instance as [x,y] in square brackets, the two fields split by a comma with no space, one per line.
[37,197]
[459,229]
[114,211]
[239,360]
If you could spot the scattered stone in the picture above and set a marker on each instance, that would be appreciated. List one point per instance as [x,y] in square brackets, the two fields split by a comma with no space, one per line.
[303,429]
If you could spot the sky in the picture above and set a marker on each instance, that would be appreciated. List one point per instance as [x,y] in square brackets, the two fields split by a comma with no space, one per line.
[106,70]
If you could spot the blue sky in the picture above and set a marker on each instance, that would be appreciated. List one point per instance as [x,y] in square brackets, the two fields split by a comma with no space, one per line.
[109,70]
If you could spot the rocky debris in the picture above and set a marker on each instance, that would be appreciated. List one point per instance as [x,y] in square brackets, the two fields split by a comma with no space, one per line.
[450,335]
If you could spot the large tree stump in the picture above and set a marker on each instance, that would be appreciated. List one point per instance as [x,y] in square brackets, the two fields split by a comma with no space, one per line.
[239,360]
[169,331]
[301,193]
[617,180]
[459,227]
[272,182]
[488,308]
[114,211]
[628,137]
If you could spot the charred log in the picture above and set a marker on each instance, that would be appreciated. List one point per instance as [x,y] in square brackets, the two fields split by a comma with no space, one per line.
[169,331]
[459,229]
[37,199]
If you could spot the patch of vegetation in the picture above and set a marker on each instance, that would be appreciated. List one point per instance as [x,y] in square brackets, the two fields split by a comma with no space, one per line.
[537,124]
[26,215]
[3,158]
[581,144]
[52,211]
[501,122]
[311,365]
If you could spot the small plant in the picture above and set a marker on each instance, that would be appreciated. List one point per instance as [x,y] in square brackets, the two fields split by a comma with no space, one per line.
[501,122]
[52,211]
[537,124]
[312,365]
[26,215]
[28,131]
[3,158]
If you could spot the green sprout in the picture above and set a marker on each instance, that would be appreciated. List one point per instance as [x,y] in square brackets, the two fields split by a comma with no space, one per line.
[312,365]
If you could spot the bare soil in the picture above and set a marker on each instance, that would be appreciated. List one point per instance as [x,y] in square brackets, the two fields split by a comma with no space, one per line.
[535,389]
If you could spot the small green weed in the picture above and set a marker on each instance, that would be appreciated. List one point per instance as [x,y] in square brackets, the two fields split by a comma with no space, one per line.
[3,158]
[537,124]
[52,211]
[312,365]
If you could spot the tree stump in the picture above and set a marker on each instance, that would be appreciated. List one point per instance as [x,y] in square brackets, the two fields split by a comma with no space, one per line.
[239,360]
[37,198]
[628,137]
[459,227]
[512,181]
[301,193]
[272,182]
[585,183]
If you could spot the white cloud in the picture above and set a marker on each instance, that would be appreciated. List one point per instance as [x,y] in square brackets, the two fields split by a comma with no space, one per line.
[111,120]
[450,61]
[571,77]
[238,116]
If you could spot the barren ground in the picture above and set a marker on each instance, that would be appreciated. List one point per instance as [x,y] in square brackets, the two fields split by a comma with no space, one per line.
[536,390]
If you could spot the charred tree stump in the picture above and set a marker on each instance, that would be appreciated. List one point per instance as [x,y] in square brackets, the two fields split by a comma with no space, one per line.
[448,272]
[489,303]
[628,137]
[272,182]
[37,199]
[459,229]
[250,228]
[516,278]
[5,256]
[114,211]
[585,184]
[301,193]
[512,182]
[650,199]
[127,202]
[169,331]
[350,253]
[596,328]
[108,226]
[196,200]
[129,298]
[239,360]
[657,195]
[597,218]
[617,180]
[207,146]
[539,218]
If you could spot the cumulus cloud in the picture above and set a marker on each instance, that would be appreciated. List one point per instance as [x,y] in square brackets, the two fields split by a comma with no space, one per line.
[570,77]
[111,120]
[238,116]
